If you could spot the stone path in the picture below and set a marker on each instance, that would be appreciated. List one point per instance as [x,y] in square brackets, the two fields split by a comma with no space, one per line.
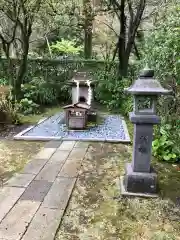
[33,202]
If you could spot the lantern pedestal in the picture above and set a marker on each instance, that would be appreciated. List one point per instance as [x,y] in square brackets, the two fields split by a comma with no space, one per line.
[140,179]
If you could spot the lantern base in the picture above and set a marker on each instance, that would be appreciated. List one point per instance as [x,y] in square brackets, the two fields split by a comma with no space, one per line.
[139,183]
[125,193]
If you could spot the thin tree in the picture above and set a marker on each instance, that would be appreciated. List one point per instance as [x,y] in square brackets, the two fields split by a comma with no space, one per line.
[22,14]
[129,16]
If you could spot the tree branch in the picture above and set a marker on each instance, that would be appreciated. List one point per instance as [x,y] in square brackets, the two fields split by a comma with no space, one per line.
[117,35]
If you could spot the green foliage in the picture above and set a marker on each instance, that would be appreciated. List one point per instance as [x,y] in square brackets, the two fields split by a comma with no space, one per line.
[110,90]
[3,81]
[27,106]
[36,93]
[39,92]
[165,147]
[164,44]
[66,47]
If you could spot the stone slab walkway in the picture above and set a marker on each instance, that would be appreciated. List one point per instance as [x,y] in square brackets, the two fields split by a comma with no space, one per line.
[32,203]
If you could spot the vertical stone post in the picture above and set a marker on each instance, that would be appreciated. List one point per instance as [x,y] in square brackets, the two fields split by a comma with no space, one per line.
[140,179]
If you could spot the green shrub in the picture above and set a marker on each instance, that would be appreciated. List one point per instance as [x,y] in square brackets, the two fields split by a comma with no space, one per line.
[164,45]
[165,147]
[40,94]
[27,106]
[110,91]
[44,93]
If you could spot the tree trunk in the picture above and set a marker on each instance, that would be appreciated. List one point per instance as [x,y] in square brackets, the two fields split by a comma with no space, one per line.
[122,42]
[88,26]
[6,49]
[22,68]
[88,40]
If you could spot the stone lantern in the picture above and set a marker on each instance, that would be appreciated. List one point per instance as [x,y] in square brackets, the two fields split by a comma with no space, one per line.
[140,179]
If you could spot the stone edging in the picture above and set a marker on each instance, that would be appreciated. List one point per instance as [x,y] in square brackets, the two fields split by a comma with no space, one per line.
[20,136]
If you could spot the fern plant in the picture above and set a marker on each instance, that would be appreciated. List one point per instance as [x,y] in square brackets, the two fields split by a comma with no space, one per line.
[66,47]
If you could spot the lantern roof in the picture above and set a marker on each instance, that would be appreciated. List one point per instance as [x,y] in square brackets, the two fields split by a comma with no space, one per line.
[146,84]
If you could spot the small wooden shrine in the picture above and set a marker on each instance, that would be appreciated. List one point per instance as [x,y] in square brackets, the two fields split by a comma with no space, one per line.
[78,113]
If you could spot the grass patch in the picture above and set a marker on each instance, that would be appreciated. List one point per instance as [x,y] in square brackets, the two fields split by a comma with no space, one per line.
[34,118]
[14,155]
[130,127]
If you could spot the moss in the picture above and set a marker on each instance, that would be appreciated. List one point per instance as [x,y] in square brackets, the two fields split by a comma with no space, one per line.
[97,211]
[34,118]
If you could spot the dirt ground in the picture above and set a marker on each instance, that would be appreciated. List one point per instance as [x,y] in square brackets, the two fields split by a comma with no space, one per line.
[97,211]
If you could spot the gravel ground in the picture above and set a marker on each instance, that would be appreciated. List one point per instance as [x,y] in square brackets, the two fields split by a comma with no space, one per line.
[111,128]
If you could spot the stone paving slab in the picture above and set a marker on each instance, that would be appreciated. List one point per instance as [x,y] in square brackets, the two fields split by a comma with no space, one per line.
[59,194]
[44,225]
[81,145]
[8,197]
[67,145]
[36,191]
[69,169]
[59,156]
[35,166]
[77,153]
[49,171]
[14,225]
[33,202]
[53,144]
[45,153]
[20,180]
